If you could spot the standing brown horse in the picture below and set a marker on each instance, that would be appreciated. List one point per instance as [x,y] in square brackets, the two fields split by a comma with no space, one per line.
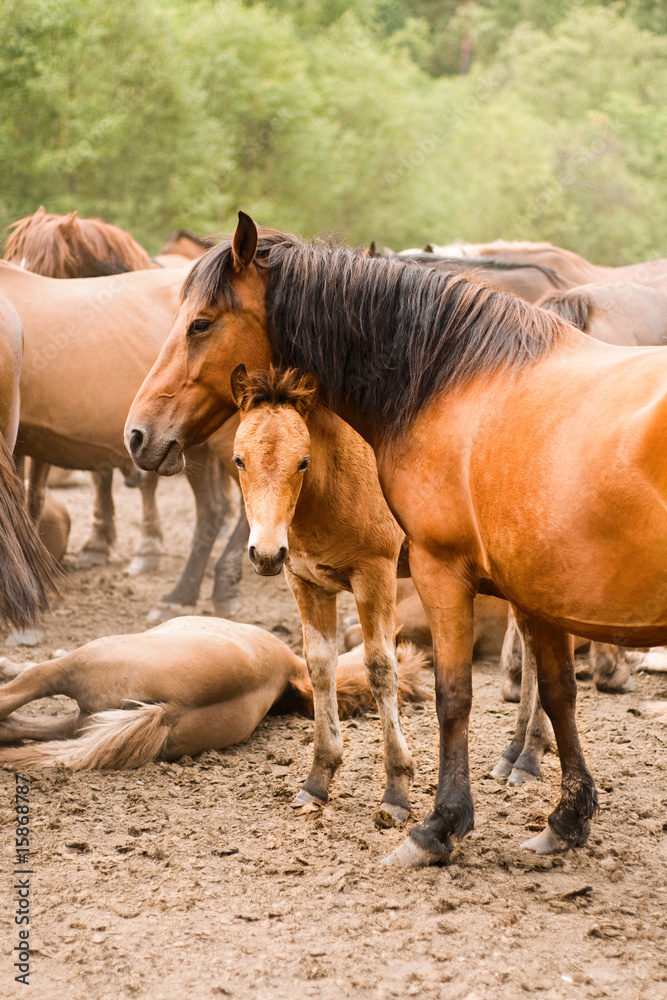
[518,455]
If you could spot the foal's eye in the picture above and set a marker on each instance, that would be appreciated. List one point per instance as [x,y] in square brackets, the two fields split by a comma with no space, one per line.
[199,326]
[303,465]
[239,462]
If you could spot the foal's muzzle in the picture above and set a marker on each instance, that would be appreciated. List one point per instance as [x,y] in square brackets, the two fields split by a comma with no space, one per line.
[267,563]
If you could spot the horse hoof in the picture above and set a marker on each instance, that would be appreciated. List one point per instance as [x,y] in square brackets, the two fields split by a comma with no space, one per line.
[227,607]
[87,558]
[26,636]
[546,842]
[9,669]
[503,769]
[305,803]
[511,691]
[625,688]
[390,815]
[411,855]
[520,777]
[162,612]
[142,564]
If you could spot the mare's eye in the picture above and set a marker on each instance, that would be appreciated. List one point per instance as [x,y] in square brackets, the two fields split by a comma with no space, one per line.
[303,465]
[239,462]
[199,326]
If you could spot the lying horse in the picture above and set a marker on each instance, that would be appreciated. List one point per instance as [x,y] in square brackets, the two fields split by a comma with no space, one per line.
[189,685]
[27,571]
[519,456]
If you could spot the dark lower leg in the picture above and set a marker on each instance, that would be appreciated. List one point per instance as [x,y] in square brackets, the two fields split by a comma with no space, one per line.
[229,570]
[511,661]
[103,533]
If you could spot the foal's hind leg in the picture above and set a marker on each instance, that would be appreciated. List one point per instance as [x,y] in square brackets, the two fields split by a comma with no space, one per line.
[374,591]
[103,534]
[568,824]
[318,615]
[146,556]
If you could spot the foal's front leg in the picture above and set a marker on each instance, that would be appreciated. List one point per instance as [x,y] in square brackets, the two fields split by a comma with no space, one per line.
[318,616]
[568,824]
[448,603]
[374,591]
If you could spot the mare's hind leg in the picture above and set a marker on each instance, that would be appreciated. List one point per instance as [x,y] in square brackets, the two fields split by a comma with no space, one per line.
[318,615]
[24,727]
[146,556]
[510,661]
[521,761]
[374,593]
[103,533]
[204,474]
[568,824]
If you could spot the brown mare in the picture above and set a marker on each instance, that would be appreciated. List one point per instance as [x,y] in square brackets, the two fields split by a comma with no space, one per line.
[185,243]
[27,571]
[518,455]
[189,685]
[66,246]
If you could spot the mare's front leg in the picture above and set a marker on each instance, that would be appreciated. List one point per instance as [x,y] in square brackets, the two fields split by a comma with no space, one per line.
[318,615]
[374,591]
[568,824]
[448,603]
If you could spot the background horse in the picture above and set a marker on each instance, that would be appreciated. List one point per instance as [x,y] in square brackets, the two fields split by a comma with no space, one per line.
[189,685]
[538,455]
[27,571]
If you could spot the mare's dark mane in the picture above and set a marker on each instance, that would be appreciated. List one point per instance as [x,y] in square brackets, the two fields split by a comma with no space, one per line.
[381,335]
[205,242]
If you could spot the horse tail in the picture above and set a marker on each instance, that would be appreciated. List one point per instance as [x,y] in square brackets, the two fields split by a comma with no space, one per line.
[573,306]
[113,740]
[27,571]
[353,693]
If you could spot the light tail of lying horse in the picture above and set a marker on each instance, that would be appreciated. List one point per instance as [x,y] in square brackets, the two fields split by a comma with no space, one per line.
[27,571]
[120,739]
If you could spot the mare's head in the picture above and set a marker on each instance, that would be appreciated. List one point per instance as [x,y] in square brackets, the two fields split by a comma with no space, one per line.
[66,246]
[222,321]
[272,452]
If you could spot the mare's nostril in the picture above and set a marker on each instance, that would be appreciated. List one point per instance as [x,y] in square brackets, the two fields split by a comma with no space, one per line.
[136,441]
[252,552]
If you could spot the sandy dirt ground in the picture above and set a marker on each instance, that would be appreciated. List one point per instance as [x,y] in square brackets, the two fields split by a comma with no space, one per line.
[197,879]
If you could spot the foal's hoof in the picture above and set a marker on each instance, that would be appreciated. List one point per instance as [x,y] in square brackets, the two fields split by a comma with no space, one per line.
[87,558]
[390,815]
[411,855]
[521,777]
[503,769]
[546,842]
[26,636]
[142,564]
[163,612]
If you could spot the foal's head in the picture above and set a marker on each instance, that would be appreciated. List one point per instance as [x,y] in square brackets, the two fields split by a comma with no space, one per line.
[272,452]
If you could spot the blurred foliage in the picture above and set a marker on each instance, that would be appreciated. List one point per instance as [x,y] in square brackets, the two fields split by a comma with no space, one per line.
[353,118]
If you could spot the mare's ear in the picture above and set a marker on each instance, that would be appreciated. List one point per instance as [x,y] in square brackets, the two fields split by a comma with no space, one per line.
[307,394]
[68,223]
[429,248]
[239,384]
[244,243]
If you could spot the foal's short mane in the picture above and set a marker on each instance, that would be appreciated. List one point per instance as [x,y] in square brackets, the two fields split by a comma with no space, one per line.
[382,336]
[278,386]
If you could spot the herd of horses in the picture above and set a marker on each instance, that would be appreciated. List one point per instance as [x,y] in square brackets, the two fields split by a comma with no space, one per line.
[487,421]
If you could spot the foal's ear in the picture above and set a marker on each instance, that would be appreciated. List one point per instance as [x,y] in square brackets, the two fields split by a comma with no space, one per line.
[244,242]
[307,394]
[239,384]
